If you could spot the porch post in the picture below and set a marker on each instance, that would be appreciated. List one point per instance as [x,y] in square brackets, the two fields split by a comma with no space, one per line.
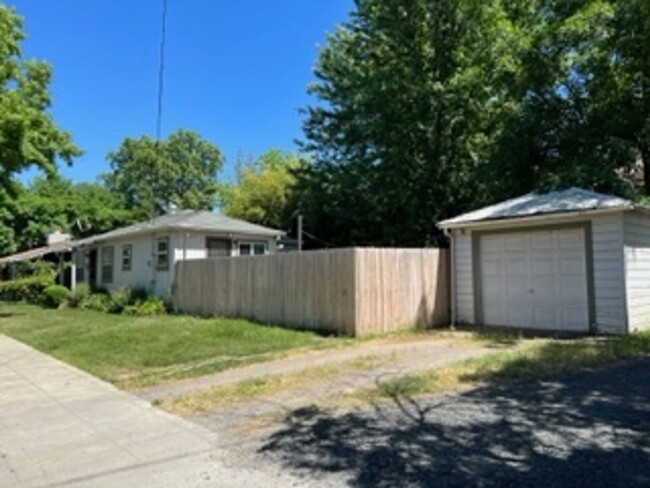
[73,270]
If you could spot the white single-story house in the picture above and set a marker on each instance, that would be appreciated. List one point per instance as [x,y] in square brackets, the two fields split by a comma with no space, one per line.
[571,260]
[143,255]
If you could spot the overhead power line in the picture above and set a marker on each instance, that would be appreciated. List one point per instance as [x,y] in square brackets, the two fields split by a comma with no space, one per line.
[161,70]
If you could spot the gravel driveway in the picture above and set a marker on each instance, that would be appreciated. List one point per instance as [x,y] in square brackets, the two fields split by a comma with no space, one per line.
[584,429]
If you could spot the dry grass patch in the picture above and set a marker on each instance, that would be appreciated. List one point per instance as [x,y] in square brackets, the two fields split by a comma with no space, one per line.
[539,357]
[219,397]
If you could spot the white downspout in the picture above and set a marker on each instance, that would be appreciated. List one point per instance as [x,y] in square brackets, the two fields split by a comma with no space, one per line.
[452,272]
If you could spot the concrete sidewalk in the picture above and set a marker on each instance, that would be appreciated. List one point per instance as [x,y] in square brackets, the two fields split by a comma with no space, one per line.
[62,427]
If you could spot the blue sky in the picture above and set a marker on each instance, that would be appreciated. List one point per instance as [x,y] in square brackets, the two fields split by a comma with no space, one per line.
[236,71]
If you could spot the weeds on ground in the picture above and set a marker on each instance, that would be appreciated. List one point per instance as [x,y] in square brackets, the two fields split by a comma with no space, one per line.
[537,358]
[224,396]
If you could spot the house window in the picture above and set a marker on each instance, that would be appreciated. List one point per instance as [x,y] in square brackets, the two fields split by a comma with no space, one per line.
[162,253]
[79,262]
[107,264]
[127,257]
[217,247]
[252,248]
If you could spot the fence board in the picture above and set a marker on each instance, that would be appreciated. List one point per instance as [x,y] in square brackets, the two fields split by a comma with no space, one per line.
[353,291]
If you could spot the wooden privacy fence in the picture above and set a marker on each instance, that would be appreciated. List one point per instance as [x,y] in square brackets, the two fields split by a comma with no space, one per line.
[353,291]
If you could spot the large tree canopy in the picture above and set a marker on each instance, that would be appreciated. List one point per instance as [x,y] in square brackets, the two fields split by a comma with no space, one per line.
[585,112]
[47,204]
[411,95]
[28,135]
[150,175]
[263,188]
[429,108]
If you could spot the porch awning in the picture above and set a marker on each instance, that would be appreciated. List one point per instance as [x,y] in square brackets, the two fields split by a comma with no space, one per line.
[38,252]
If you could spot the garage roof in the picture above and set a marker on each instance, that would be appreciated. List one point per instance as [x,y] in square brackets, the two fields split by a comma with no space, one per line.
[535,204]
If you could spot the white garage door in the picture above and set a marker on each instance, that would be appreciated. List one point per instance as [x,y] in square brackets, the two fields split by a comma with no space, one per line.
[535,279]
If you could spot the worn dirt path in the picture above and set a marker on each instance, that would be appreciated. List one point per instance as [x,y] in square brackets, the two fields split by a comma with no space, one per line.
[243,418]
[414,351]
[344,371]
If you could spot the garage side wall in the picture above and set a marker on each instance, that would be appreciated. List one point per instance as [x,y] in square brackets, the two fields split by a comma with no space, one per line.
[637,270]
[463,280]
[609,274]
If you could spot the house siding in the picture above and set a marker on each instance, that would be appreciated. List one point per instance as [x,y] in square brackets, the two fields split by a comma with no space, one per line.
[183,245]
[637,270]
[609,273]
[140,275]
[610,310]
[463,278]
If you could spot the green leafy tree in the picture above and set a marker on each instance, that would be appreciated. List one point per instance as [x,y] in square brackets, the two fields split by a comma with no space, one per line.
[54,203]
[263,189]
[28,135]
[411,96]
[584,118]
[7,213]
[619,87]
[181,170]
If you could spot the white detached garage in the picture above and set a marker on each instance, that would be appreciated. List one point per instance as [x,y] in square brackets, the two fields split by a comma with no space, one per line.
[571,260]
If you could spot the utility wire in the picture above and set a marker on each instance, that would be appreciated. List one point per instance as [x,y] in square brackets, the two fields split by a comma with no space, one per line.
[322,241]
[161,86]
[161,70]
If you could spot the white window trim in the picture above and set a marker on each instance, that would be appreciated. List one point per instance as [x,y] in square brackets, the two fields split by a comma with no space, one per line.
[130,257]
[252,245]
[165,253]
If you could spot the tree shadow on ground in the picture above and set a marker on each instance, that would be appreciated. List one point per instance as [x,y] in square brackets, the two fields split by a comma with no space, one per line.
[582,429]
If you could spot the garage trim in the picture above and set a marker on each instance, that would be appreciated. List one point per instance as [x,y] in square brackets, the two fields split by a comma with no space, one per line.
[476,264]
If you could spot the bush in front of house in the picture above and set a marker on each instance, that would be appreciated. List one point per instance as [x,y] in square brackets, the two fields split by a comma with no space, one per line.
[100,302]
[126,296]
[125,300]
[29,289]
[37,267]
[78,295]
[55,295]
[121,298]
[146,307]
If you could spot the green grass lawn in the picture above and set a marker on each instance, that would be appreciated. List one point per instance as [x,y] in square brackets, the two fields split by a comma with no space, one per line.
[134,352]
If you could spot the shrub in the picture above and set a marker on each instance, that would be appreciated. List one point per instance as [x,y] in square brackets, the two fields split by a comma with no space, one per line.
[100,302]
[78,295]
[121,298]
[36,267]
[29,289]
[148,306]
[55,295]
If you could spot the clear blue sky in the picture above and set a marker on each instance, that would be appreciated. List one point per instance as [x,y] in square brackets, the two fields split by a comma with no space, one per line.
[236,71]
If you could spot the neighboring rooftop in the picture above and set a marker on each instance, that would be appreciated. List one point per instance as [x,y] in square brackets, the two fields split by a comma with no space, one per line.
[556,202]
[199,220]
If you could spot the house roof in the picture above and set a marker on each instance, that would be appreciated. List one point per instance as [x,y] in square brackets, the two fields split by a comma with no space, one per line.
[197,220]
[537,204]
[65,246]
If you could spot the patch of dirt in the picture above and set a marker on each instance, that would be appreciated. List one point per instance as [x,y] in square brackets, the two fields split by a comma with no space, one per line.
[357,368]
[298,362]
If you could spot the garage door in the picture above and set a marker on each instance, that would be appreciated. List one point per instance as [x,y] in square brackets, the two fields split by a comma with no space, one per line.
[535,279]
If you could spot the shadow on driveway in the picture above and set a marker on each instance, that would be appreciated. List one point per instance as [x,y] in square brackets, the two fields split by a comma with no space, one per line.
[583,429]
